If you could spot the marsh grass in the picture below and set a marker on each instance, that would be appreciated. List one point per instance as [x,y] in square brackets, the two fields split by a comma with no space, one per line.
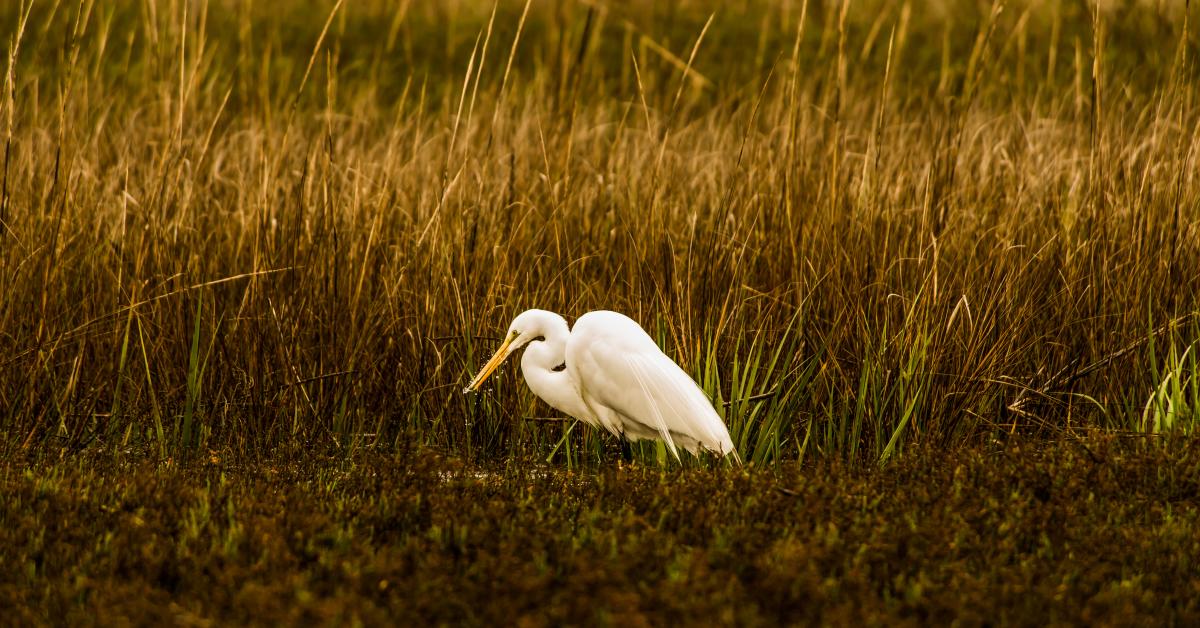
[863,226]
[1175,403]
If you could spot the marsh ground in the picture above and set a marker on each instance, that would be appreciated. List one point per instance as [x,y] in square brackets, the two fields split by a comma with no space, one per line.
[1101,532]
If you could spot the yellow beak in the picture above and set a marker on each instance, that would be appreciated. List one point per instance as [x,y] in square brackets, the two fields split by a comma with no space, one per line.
[495,361]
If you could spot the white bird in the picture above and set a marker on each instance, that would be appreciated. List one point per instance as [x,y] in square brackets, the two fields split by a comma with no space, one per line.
[609,373]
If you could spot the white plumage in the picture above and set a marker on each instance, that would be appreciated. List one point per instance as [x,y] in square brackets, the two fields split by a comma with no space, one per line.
[615,377]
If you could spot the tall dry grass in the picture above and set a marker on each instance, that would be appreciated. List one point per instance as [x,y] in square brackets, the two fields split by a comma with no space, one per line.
[277,227]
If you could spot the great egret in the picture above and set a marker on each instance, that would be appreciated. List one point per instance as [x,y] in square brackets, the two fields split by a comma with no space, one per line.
[609,373]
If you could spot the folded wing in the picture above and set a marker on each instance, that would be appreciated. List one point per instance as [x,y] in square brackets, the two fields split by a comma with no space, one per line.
[619,367]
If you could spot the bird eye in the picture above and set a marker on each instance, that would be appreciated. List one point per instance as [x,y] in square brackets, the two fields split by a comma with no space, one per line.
[560,367]
[539,338]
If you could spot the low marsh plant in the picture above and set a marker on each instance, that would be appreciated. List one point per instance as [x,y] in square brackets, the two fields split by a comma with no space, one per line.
[1103,529]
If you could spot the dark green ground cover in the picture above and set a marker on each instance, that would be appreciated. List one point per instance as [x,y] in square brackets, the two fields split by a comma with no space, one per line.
[1101,531]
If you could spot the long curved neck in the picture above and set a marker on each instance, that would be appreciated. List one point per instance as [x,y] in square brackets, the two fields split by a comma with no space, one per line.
[538,365]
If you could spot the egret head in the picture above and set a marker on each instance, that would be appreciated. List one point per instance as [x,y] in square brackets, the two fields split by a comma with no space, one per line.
[528,326]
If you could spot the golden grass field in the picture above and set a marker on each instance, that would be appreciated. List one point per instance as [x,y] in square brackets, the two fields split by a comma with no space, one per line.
[234,226]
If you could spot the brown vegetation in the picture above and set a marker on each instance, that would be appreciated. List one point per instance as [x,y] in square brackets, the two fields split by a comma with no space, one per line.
[233,226]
